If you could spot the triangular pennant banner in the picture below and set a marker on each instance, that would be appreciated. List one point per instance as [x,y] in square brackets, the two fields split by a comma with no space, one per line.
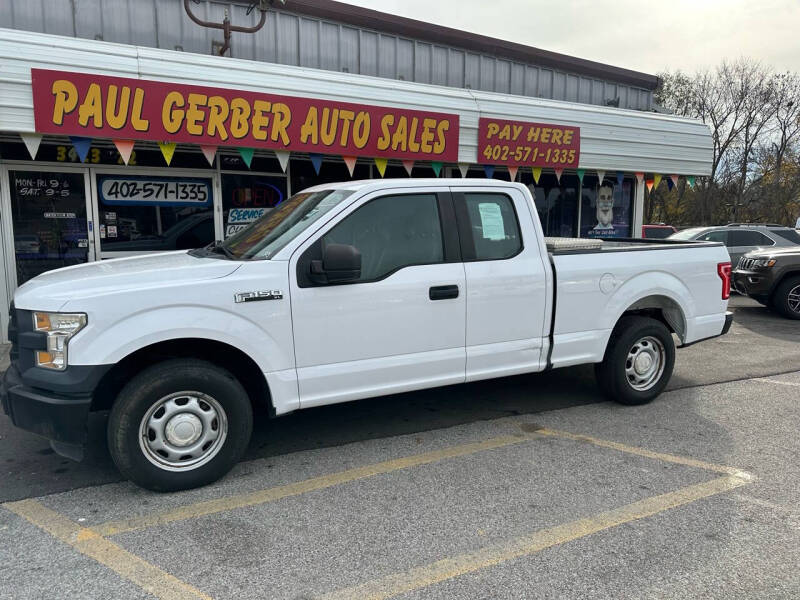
[409,166]
[600,176]
[558,174]
[209,152]
[620,177]
[690,180]
[247,155]
[381,164]
[639,177]
[512,171]
[316,161]
[81,145]
[283,158]
[649,184]
[537,172]
[674,179]
[656,180]
[167,150]
[437,167]
[581,173]
[350,161]
[670,185]
[488,171]
[124,147]
[464,168]
[32,141]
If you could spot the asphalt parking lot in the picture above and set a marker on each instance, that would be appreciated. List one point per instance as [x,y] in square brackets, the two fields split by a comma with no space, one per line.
[528,487]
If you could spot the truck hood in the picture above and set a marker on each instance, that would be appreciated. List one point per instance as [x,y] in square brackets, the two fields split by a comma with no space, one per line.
[52,290]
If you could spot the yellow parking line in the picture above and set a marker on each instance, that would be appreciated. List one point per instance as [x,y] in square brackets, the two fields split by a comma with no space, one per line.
[448,568]
[209,507]
[670,458]
[149,577]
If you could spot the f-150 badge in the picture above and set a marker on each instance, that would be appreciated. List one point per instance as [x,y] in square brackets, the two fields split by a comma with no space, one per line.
[260,295]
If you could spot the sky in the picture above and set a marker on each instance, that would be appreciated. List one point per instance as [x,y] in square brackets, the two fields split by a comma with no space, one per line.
[642,35]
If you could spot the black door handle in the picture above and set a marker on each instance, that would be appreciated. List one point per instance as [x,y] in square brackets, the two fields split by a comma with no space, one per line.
[443,292]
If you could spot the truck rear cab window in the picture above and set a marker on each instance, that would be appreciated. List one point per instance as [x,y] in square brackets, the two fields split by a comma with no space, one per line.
[488,225]
[392,232]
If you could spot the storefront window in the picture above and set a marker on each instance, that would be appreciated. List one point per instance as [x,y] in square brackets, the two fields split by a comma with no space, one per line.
[606,209]
[556,202]
[48,212]
[246,198]
[151,213]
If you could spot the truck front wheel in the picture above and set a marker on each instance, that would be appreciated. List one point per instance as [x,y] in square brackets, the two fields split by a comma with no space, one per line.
[179,424]
[638,361]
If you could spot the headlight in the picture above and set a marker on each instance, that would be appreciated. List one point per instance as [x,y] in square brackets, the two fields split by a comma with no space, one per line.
[59,327]
[763,263]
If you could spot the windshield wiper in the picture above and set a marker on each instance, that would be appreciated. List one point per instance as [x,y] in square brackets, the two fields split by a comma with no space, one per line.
[217,247]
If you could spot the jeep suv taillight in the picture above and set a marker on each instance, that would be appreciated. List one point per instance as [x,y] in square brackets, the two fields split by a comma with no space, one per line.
[724,272]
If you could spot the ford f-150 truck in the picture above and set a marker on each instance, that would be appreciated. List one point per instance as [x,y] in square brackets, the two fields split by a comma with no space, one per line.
[343,291]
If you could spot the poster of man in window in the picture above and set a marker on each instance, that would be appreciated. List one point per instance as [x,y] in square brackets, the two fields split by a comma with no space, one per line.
[606,209]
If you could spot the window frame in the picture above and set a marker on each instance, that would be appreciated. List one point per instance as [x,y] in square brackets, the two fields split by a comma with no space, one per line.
[467,235]
[451,250]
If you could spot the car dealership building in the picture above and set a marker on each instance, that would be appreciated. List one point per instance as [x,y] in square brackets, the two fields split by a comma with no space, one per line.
[121,133]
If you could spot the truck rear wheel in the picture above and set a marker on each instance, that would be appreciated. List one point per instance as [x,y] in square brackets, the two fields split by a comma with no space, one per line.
[179,424]
[786,298]
[638,361]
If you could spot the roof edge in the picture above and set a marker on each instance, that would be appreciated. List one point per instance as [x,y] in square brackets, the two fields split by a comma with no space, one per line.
[439,34]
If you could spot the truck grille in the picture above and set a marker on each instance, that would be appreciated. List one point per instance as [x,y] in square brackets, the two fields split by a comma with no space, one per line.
[12,333]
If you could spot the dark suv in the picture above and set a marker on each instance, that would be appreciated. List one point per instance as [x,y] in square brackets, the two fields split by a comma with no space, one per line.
[772,277]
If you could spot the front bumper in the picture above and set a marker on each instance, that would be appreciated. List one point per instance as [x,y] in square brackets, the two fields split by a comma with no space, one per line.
[59,418]
[756,284]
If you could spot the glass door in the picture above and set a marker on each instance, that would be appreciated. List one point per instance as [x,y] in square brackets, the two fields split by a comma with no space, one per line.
[48,209]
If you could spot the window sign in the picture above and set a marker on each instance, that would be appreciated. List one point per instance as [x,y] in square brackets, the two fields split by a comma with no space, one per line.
[154,191]
[606,209]
[247,198]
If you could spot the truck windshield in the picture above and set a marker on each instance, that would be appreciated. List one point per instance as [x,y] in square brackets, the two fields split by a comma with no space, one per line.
[270,233]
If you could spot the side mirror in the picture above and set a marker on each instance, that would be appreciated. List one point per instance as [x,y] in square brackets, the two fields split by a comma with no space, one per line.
[340,263]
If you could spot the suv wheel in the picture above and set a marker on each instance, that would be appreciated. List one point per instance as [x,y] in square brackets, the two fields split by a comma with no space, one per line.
[786,298]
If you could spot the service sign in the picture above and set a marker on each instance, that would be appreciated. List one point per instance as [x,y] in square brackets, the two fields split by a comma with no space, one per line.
[525,144]
[91,105]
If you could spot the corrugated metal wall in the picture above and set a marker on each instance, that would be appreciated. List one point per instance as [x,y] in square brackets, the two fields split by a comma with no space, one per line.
[297,40]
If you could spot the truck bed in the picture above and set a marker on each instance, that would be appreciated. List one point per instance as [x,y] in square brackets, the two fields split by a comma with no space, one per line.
[562,245]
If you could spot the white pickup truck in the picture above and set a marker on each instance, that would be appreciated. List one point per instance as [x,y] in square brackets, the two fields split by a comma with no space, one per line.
[344,291]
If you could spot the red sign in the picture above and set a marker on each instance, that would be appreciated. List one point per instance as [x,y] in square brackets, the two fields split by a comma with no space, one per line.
[520,143]
[91,105]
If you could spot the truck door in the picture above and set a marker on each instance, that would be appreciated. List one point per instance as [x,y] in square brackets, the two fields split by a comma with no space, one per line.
[400,325]
[506,283]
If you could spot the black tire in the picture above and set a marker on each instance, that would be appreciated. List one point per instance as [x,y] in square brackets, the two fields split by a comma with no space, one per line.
[217,395]
[611,374]
[781,298]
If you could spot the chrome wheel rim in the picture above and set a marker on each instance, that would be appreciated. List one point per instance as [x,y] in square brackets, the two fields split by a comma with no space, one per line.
[794,299]
[645,362]
[183,431]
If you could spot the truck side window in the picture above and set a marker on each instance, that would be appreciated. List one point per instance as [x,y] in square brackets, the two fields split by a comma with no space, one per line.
[495,230]
[392,232]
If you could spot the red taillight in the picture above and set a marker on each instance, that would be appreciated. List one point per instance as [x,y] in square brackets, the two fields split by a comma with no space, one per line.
[724,272]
